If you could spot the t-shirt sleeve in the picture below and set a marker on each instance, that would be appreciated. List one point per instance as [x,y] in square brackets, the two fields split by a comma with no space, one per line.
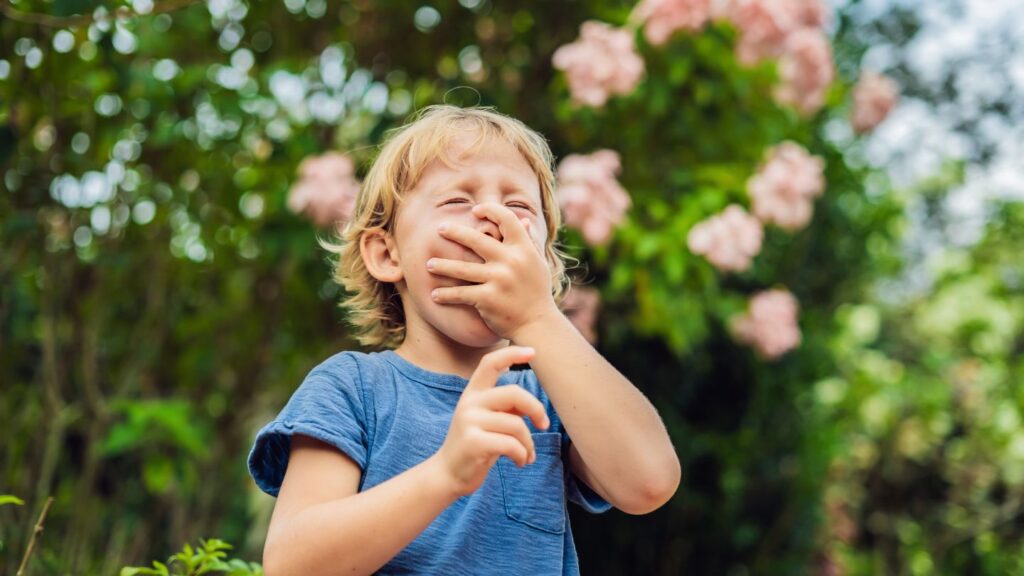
[577,490]
[329,406]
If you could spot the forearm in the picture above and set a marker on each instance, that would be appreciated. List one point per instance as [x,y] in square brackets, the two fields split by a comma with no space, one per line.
[360,533]
[615,429]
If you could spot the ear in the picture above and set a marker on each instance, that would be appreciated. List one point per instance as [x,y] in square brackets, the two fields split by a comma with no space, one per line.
[380,255]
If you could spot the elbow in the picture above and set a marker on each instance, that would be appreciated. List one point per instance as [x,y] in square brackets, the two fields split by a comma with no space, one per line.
[656,489]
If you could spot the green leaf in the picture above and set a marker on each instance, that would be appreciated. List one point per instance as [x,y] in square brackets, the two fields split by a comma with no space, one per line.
[647,246]
[157,475]
[10,499]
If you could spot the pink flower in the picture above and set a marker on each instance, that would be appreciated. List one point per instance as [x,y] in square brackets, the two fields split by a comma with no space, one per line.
[729,240]
[601,63]
[811,13]
[805,70]
[326,189]
[663,17]
[763,25]
[592,200]
[783,189]
[770,323]
[873,99]
[790,30]
[581,306]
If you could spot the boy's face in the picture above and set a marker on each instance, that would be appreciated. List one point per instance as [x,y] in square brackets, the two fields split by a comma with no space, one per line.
[495,173]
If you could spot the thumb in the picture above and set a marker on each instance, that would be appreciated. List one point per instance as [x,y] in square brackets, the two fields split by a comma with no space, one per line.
[493,364]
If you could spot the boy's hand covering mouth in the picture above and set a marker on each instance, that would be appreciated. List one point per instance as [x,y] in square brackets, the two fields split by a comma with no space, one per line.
[512,287]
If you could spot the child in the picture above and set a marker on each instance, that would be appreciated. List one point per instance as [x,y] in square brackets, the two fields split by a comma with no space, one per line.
[418,458]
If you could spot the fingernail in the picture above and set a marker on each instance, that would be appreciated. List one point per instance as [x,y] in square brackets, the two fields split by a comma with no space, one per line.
[430,264]
[443,226]
[433,294]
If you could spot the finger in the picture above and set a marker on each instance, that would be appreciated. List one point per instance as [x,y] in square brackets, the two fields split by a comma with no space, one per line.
[502,445]
[511,227]
[485,246]
[529,232]
[505,423]
[468,271]
[468,295]
[515,398]
[494,363]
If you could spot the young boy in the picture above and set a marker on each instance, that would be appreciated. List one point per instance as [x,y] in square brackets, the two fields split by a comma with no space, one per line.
[418,459]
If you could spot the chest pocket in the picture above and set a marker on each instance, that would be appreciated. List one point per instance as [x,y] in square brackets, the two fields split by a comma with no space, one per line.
[535,494]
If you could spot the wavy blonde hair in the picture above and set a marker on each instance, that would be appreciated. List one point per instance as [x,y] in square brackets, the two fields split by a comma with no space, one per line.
[374,307]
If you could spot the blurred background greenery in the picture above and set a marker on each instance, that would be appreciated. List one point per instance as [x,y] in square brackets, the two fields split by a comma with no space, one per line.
[159,301]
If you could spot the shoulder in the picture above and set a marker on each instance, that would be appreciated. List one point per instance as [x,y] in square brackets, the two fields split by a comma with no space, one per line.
[349,371]
[347,364]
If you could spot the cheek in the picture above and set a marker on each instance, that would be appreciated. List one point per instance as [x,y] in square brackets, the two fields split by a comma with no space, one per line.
[538,233]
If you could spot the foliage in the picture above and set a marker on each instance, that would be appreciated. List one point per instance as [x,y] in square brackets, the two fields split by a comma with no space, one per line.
[925,411]
[158,302]
[208,558]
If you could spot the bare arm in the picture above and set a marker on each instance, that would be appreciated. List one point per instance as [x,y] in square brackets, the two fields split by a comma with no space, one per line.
[620,446]
[321,525]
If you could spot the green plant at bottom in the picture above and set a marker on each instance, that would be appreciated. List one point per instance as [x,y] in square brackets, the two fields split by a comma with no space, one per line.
[209,558]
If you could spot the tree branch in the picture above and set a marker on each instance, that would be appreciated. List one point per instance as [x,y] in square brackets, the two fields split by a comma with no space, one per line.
[35,534]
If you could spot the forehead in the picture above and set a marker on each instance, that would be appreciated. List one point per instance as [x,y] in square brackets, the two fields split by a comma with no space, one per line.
[476,160]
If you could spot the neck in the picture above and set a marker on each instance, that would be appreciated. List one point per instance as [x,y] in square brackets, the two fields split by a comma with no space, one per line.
[431,350]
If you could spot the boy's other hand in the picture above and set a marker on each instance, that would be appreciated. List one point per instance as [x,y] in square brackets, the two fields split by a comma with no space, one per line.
[488,423]
[512,287]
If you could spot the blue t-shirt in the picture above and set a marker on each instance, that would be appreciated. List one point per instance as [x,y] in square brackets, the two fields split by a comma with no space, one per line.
[388,415]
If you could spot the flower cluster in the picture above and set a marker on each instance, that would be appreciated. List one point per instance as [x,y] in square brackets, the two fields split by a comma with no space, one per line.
[729,240]
[591,198]
[782,192]
[784,188]
[765,25]
[791,31]
[873,99]
[805,71]
[602,63]
[326,189]
[770,323]
[662,18]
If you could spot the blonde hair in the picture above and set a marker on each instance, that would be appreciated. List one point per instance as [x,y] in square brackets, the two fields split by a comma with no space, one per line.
[374,307]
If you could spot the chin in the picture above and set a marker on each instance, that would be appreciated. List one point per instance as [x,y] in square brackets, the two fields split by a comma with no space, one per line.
[466,327]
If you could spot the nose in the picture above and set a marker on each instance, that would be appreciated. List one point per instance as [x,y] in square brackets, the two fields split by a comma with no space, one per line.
[488,227]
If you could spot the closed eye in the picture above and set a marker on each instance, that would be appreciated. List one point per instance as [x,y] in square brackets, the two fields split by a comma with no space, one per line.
[520,205]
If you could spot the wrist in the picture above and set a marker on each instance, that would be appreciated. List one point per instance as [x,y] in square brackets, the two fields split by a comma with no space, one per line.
[539,323]
[438,481]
